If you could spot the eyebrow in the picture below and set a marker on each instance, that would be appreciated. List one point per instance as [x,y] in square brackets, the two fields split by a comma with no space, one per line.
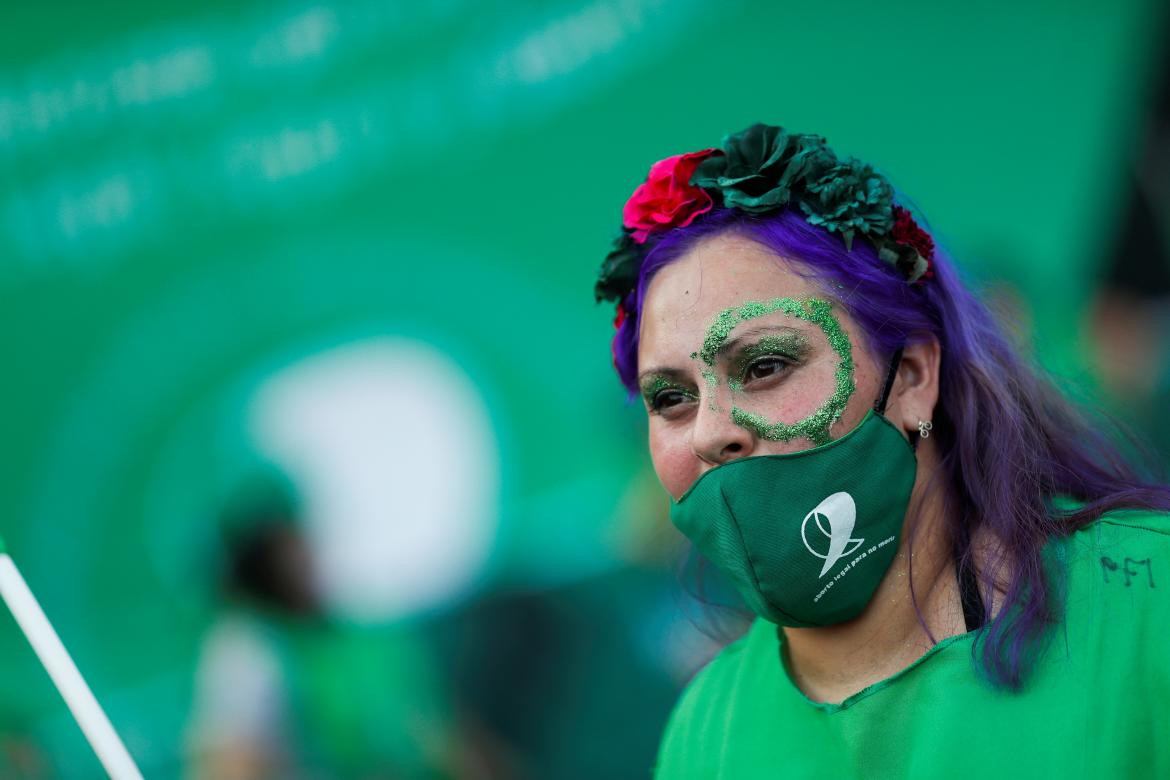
[731,344]
[680,375]
[676,374]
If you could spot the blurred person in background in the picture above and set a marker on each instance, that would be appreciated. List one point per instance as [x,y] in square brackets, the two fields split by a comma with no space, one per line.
[283,690]
[575,681]
[954,571]
[1130,313]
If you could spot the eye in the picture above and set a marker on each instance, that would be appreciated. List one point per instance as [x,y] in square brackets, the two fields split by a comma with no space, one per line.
[765,368]
[665,400]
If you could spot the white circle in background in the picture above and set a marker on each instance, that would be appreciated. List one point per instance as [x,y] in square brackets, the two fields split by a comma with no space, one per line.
[393,455]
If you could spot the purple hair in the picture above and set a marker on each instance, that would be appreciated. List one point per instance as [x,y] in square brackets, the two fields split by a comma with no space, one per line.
[1010,445]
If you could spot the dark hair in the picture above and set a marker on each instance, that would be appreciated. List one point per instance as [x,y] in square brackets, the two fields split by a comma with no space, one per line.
[1010,444]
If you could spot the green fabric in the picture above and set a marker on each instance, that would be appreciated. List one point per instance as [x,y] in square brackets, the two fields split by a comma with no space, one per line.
[805,537]
[1098,704]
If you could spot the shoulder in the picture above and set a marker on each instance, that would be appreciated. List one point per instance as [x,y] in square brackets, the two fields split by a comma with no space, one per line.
[701,715]
[1117,575]
[1135,521]
[1108,657]
[1114,537]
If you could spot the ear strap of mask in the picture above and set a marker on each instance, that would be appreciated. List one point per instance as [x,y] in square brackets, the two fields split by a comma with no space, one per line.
[879,405]
[969,596]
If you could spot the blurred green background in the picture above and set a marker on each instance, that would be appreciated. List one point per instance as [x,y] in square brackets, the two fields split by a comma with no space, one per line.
[307,288]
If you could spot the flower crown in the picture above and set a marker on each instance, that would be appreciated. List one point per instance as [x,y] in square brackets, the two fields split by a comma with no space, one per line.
[765,168]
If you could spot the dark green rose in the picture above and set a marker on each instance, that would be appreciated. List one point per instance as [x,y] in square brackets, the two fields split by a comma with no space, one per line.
[762,166]
[619,270]
[850,197]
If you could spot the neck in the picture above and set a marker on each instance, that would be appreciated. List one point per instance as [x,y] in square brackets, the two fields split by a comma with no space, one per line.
[832,663]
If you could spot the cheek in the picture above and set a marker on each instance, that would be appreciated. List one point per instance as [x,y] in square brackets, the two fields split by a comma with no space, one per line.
[789,404]
[674,462]
[868,377]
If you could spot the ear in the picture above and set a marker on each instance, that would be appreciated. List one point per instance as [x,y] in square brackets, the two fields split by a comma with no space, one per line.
[915,391]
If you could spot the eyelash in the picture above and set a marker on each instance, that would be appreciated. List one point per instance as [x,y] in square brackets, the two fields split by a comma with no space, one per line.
[656,402]
[785,365]
[656,406]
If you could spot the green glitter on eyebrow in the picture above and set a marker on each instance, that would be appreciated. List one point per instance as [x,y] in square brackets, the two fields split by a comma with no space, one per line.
[816,426]
[728,319]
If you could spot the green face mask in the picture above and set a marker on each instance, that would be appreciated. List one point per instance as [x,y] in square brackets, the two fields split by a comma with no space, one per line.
[806,537]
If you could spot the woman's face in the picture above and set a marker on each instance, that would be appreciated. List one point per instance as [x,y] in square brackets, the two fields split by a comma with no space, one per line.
[739,356]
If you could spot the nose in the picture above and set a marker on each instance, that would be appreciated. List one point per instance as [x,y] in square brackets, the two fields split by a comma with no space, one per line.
[715,438]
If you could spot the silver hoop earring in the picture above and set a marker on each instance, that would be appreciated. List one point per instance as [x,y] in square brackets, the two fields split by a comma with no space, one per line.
[924,429]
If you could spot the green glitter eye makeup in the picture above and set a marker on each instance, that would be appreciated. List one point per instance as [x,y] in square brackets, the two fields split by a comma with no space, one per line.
[792,345]
[787,346]
[658,392]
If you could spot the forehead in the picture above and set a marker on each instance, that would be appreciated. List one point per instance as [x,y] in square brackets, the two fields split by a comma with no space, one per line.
[684,298]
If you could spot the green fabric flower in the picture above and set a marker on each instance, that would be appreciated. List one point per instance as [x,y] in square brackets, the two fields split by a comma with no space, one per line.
[850,197]
[619,270]
[763,169]
[762,166]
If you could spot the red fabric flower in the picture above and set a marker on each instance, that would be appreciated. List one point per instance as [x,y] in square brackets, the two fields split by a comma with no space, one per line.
[619,318]
[666,199]
[907,232]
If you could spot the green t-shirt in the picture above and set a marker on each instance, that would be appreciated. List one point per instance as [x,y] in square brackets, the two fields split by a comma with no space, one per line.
[1096,706]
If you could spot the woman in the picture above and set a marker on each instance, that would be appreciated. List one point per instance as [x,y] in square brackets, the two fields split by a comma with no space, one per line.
[955,574]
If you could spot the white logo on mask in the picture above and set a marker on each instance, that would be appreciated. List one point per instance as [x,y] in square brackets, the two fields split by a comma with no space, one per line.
[835,517]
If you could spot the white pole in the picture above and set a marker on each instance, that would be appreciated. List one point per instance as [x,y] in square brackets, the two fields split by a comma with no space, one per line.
[85,708]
